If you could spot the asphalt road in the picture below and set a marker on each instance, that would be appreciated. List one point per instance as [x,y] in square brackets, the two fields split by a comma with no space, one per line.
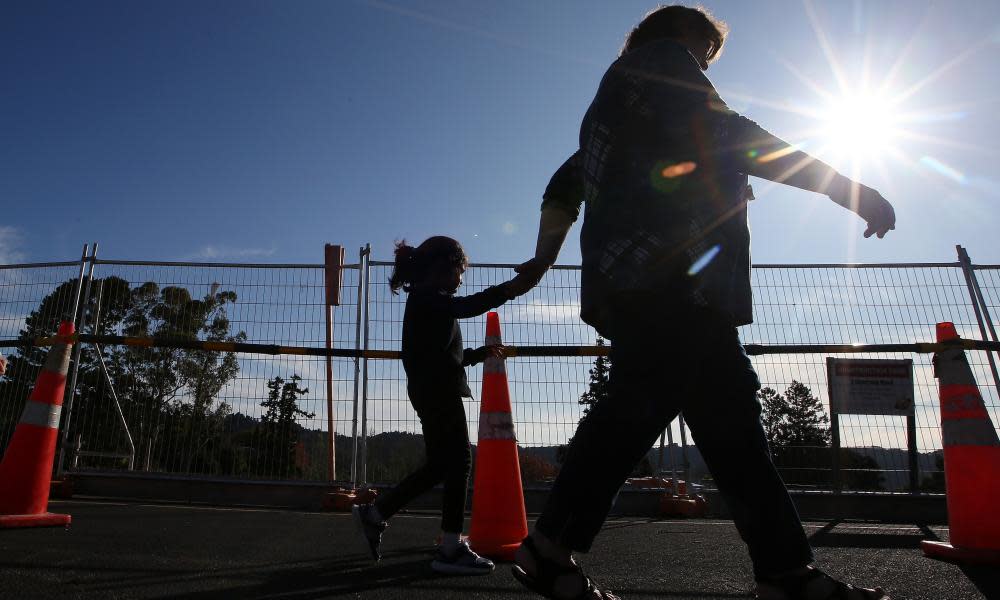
[129,550]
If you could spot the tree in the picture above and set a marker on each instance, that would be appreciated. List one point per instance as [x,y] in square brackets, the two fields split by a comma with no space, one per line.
[798,432]
[599,379]
[27,360]
[795,419]
[165,393]
[159,382]
[934,481]
[278,432]
[806,423]
[598,390]
[773,413]
[535,469]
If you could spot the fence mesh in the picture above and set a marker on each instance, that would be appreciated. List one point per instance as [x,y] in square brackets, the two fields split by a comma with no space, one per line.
[254,416]
[29,294]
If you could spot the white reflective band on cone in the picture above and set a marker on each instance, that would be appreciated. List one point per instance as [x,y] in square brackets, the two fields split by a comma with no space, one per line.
[41,414]
[494,366]
[968,432]
[496,426]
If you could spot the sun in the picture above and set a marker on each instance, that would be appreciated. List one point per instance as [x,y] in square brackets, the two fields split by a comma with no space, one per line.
[859,125]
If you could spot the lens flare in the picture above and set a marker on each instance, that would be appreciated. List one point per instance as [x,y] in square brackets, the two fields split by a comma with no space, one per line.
[943,169]
[704,260]
[679,169]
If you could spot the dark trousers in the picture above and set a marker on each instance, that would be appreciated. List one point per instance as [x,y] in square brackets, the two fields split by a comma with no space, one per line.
[449,459]
[663,364]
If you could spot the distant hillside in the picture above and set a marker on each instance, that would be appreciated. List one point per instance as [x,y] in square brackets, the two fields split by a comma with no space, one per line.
[392,455]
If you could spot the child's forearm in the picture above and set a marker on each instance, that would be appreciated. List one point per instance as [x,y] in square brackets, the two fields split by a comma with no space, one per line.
[473,305]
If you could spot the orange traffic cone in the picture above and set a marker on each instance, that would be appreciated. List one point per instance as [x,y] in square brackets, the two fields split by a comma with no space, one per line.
[498,518]
[26,469]
[971,462]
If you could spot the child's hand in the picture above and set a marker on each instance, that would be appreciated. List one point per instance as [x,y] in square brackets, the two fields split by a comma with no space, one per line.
[493,351]
[3,364]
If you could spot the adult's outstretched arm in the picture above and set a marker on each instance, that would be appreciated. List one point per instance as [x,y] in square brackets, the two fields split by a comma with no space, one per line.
[560,209]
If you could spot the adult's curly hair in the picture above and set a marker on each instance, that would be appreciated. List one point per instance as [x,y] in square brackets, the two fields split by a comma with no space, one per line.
[675,22]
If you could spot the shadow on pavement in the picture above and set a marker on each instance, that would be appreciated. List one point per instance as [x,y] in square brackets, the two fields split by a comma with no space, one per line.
[826,537]
[986,579]
[321,580]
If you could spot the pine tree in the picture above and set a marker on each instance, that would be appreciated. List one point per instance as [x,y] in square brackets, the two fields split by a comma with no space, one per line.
[773,413]
[796,418]
[278,433]
[806,423]
[599,376]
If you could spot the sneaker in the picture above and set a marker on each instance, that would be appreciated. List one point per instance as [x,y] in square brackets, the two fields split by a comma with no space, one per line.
[463,562]
[370,529]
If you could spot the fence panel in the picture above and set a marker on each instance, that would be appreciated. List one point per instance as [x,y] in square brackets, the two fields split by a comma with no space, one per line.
[210,413]
[544,390]
[794,304]
[805,304]
[33,298]
[213,413]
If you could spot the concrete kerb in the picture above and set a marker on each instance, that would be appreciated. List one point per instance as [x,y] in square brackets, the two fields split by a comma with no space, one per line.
[296,495]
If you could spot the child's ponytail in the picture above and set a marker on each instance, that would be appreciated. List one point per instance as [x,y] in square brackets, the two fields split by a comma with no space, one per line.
[404,270]
[414,264]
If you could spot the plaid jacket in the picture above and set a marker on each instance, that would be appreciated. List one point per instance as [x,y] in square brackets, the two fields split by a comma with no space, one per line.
[661,171]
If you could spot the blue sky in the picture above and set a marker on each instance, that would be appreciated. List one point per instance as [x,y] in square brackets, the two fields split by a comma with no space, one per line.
[257,131]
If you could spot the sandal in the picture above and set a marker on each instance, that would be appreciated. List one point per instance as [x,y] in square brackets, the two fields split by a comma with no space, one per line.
[795,587]
[546,573]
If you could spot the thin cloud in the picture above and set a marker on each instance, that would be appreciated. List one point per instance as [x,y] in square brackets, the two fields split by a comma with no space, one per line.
[214,253]
[10,239]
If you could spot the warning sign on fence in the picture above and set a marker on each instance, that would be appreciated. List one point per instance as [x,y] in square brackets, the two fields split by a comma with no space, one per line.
[870,386]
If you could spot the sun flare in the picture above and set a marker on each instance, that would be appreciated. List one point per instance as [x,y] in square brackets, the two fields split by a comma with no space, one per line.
[859,125]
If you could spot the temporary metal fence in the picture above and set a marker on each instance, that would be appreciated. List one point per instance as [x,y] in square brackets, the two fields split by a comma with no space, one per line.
[258,416]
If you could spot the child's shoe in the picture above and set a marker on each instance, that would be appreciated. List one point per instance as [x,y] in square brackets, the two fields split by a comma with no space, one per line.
[370,529]
[463,561]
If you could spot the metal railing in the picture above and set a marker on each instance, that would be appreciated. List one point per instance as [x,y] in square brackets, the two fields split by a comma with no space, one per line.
[253,416]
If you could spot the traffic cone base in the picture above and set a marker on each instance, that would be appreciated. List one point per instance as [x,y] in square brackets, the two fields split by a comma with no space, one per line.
[974,492]
[40,520]
[945,551]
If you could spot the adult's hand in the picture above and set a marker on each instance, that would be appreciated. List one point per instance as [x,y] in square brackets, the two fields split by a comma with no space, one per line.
[869,205]
[529,273]
[3,364]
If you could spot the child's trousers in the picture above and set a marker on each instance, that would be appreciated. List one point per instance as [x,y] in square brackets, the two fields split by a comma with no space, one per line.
[663,363]
[449,460]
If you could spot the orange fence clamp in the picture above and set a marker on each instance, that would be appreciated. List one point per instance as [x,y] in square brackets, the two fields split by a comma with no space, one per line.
[342,499]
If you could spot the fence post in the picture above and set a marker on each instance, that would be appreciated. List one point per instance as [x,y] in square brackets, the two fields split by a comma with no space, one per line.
[71,388]
[979,306]
[364,370]
[333,273]
[836,480]
[357,370]
[79,282]
[913,455]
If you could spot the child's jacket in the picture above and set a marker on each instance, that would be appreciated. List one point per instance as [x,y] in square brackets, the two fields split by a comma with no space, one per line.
[433,356]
